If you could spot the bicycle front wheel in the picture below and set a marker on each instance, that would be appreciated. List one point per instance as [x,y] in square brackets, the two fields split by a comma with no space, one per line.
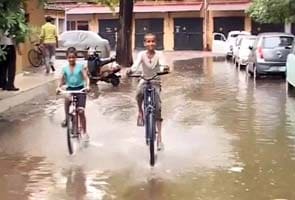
[70,133]
[35,58]
[151,133]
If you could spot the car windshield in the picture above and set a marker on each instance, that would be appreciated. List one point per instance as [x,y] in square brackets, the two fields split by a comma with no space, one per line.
[246,42]
[277,41]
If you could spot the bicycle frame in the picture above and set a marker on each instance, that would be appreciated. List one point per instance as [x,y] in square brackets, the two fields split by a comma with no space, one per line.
[74,114]
[149,107]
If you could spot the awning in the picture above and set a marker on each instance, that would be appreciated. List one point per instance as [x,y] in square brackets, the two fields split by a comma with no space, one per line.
[137,9]
[229,7]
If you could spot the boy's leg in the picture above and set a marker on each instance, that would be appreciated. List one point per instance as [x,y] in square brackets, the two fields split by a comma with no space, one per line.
[66,109]
[139,99]
[158,118]
[52,56]
[47,58]
[81,106]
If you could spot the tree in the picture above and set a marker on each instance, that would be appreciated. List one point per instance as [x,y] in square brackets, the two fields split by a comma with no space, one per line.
[272,11]
[12,21]
[124,44]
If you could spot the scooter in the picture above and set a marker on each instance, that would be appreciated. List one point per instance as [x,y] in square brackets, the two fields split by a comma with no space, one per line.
[98,73]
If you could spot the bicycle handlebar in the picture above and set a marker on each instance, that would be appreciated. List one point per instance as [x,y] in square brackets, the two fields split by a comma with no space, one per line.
[62,91]
[148,79]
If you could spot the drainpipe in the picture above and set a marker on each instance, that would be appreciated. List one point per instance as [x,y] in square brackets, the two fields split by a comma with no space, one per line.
[206,24]
[65,21]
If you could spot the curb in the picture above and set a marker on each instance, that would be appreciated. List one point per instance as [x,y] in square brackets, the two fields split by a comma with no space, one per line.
[27,95]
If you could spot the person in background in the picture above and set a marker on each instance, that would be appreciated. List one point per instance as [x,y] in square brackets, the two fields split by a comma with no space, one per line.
[8,63]
[49,39]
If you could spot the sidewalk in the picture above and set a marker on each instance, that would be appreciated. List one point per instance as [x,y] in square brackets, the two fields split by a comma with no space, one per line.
[34,82]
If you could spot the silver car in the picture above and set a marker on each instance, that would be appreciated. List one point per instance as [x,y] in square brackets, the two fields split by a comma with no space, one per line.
[243,51]
[269,53]
[83,41]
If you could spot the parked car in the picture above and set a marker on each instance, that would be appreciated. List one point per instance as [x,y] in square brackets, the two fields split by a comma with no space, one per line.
[269,53]
[83,41]
[290,75]
[243,52]
[223,45]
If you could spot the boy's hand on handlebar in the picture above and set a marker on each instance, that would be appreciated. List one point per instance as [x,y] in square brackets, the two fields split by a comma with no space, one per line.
[58,90]
[128,72]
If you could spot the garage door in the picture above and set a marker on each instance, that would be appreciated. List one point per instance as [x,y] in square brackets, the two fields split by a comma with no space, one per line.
[226,24]
[261,28]
[108,29]
[143,26]
[188,34]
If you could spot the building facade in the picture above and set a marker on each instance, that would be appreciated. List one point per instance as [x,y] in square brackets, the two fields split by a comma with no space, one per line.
[179,25]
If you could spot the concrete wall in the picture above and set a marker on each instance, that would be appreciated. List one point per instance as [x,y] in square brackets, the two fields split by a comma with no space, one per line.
[36,18]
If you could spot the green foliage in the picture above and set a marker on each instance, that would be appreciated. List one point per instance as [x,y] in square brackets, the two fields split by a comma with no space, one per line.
[272,11]
[12,21]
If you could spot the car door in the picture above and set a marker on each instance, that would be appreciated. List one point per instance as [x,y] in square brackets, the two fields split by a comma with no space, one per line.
[219,43]
[291,67]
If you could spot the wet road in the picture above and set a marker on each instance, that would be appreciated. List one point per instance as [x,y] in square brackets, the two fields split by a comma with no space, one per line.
[226,137]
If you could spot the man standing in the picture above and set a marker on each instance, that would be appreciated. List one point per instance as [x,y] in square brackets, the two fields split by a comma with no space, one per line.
[8,64]
[49,39]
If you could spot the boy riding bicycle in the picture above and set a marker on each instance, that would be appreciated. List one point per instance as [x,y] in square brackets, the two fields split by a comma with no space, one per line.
[151,62]
[74,76]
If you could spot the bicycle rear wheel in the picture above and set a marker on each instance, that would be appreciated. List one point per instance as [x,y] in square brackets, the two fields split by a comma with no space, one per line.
[35,58]
[151,133]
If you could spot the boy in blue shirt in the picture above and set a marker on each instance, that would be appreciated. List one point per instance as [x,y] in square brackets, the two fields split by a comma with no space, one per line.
[74,76]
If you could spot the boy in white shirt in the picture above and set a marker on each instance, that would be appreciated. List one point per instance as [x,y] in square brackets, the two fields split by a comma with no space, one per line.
[150,61]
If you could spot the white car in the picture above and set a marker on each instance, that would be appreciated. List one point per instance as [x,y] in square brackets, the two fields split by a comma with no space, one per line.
[225,46]
[243,51]
[83,41]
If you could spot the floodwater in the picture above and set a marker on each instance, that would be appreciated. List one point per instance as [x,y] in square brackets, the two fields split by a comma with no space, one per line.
[226,137]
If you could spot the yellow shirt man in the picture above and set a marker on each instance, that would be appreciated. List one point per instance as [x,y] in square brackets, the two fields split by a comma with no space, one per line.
[48,37]
[48,33]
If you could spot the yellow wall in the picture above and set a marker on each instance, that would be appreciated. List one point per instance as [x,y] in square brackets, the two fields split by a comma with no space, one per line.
[36,18]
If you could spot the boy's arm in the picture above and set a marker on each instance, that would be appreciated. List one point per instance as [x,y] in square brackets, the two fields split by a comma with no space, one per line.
[136,63]
[42,34]
[56,38]
[85,76]
[162,62]
[62,79]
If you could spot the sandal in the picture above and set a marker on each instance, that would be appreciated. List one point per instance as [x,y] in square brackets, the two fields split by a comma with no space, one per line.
[160,146]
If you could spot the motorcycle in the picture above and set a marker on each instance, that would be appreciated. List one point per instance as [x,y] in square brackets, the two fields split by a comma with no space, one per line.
[98,71]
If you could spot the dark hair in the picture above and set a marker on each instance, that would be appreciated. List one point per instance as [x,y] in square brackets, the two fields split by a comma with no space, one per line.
[48,19]
[149,35]
[71,50]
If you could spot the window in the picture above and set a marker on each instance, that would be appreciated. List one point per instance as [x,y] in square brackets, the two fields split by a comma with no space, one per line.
[71,25]
[82,25]
[277,41]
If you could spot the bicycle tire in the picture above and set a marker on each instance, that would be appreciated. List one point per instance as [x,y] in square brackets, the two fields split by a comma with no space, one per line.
[35,58]
[69,134]
[151,134]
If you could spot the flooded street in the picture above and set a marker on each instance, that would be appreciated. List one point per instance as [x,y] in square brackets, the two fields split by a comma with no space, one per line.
[226,137]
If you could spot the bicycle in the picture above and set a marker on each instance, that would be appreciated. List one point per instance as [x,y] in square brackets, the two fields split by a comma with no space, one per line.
[73,128]
[149,114]
[36,55]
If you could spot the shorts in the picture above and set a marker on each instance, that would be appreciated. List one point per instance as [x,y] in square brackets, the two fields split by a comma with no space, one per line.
[81,97]
[140,97]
